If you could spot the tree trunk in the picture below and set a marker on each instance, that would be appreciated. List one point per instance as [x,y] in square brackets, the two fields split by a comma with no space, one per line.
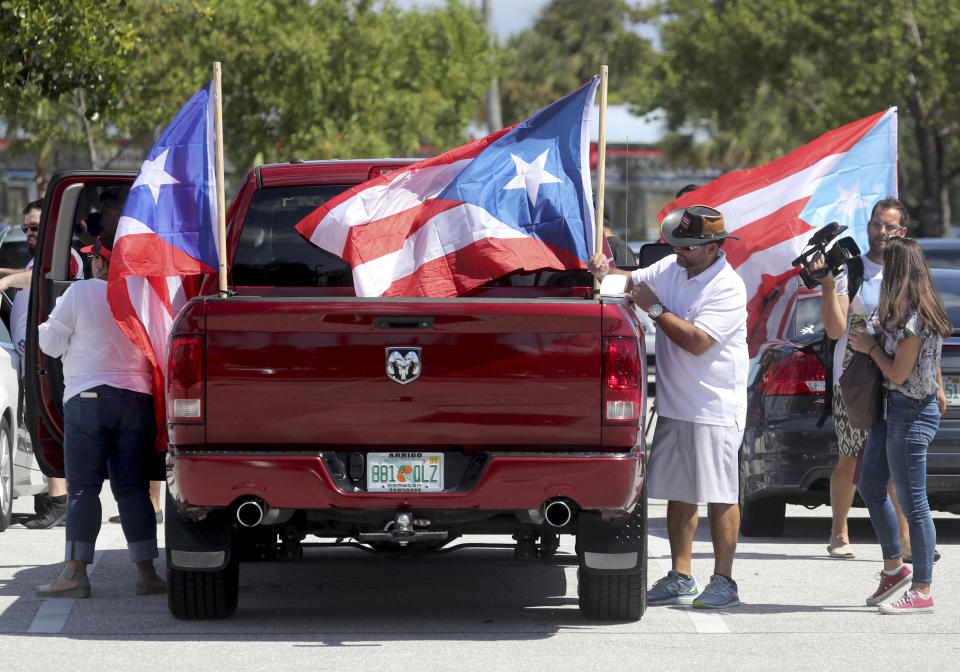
[40,168]
[933,214]
[494,116]
[88,132]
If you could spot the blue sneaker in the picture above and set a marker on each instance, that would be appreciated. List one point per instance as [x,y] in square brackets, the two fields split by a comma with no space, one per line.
[673,589]
[719,594]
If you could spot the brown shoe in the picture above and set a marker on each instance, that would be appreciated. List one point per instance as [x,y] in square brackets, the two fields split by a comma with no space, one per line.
[151,585]
[68,584]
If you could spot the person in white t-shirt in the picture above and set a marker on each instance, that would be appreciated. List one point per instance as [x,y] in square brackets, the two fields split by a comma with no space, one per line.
[889,218]
[108,423]
[52,509]
[700,306]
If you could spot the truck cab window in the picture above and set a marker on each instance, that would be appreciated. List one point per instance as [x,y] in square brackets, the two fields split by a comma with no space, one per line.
[271,252]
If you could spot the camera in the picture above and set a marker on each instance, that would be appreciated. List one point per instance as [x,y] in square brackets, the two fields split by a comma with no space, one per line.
[836,252]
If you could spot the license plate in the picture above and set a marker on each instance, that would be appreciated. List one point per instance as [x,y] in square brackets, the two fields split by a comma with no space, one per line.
[951,386]
[404,472]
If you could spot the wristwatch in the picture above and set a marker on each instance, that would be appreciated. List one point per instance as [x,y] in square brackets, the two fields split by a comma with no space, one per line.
[655,311]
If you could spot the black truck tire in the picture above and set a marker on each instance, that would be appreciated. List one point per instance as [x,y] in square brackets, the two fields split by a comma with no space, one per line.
[200,593]
[203,595]
[612,597]
[616,595]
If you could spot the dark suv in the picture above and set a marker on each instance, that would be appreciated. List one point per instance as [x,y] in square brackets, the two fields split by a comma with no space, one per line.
[785,457]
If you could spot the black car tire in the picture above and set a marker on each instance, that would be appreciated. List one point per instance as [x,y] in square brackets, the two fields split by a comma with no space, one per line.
[199,595]
[762,517]
[6,476]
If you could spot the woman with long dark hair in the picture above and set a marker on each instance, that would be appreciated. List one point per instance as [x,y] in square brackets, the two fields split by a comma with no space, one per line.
[912,323]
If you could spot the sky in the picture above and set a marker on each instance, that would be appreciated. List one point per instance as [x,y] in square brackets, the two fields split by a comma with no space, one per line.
[509,16]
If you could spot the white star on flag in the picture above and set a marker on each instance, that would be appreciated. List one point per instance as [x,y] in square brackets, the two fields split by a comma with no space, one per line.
[850,201]
[153,175]
[531,175]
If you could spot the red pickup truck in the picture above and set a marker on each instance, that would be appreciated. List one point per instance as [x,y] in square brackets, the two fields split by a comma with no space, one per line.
[297,410]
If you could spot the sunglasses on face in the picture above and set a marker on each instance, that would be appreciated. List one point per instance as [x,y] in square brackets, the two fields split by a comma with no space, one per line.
[32,227]
[687,248]
[887,228]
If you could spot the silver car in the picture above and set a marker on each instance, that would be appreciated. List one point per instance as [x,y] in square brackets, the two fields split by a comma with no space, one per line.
[20,476]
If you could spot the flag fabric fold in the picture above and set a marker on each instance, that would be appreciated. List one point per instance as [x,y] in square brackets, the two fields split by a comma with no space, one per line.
[166,239]
[775,208]
[518,199]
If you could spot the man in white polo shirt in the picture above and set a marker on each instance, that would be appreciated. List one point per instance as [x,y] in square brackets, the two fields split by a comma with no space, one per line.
[699,304]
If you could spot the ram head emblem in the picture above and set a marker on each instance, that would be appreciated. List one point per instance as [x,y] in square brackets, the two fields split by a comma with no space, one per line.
[403,364]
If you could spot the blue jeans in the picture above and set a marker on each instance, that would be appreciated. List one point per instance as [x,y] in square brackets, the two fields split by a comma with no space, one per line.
[115,431]
[897,448]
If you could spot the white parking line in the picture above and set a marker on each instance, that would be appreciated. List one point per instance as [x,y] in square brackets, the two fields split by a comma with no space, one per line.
[704,621]
[54,611]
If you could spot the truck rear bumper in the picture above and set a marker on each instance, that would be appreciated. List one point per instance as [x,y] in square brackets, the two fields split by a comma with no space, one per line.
[509,482]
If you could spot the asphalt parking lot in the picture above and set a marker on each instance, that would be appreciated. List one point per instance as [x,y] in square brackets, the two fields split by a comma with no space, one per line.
[480,609]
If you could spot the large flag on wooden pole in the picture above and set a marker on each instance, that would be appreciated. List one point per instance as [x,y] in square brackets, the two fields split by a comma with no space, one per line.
[775,208]
[601,164]
[167,238]
[518,199]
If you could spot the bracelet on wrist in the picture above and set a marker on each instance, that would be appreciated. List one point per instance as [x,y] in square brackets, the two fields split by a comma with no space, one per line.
[870,351]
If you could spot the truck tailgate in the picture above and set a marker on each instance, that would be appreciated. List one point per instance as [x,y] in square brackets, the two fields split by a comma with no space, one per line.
[506,374]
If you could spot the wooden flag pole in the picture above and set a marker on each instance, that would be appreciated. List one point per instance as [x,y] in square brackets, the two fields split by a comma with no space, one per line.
[601,164]
[221,199]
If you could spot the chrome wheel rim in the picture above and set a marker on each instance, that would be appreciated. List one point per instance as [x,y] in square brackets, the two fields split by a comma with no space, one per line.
[6,474]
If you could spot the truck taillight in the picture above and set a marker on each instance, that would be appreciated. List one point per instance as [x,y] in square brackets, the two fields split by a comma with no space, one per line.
[801,373]
[185,379]
[622,382]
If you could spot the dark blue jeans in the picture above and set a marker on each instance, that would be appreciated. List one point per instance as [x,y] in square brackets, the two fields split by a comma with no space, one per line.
[114,430]
[897,448]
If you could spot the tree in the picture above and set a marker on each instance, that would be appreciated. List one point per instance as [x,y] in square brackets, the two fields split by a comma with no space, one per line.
[315,78]
[61,65]
[765,76]
[566,46]
[310,78]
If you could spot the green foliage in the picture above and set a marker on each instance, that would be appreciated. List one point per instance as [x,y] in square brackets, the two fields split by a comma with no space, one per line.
[765,76]
[309,78]
[54,47]
[566,46]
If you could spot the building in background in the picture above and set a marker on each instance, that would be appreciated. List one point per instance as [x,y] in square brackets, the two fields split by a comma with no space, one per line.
[639,179]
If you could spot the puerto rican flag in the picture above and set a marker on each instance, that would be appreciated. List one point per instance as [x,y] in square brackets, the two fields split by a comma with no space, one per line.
[775,208]
[520,198]
[166,239]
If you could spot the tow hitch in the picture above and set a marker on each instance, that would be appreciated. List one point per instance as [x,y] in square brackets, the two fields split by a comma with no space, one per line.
[402,530]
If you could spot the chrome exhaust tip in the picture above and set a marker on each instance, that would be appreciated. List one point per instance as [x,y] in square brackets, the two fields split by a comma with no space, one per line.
[250,512]
[558,513]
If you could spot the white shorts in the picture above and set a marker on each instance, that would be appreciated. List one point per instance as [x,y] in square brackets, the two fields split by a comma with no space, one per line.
[694,463]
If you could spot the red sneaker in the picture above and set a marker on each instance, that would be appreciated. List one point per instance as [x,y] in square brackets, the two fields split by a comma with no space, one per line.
[911,602]
[889,585]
